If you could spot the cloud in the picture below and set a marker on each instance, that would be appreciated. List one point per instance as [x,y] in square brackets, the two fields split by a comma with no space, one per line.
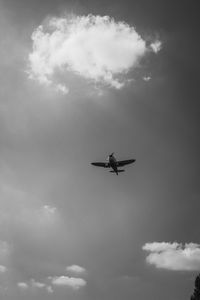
[156,46]
[72,282]
[4,250]
[37,284]
[96,48]
[22,285]
[21,210]
[40,221]
[3,269]
[49,289]
[62,88]
[173,256]
[75,283]
[76,269]
[147,78]
[48,210]
[33,284]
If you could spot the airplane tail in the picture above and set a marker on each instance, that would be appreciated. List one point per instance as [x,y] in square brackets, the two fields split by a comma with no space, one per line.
[119,171]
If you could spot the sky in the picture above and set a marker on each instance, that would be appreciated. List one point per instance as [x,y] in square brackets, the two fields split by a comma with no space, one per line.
[80,80]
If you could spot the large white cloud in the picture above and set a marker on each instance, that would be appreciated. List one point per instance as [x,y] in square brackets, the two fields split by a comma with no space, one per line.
[94,47]
[173,256]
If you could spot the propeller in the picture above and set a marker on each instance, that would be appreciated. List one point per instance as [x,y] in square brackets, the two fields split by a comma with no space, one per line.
[110,156]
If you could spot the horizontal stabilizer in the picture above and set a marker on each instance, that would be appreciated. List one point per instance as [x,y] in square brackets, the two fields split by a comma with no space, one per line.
[119,171]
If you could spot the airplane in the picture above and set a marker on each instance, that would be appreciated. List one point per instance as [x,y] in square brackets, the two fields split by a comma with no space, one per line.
[114,164]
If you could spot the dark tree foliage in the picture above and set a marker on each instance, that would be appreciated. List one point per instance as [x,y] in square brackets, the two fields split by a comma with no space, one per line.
[196,293]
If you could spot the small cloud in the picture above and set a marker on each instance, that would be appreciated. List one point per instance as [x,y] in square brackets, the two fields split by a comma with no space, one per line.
[75,283]
[37,284]
[46,216]
[156,46]
[96,48]
[4,248]
[76,269]
[62,88]
[3,269]
[49,289]
[22,285]
[33,284]
[173,256]
[147,78]
[48,210]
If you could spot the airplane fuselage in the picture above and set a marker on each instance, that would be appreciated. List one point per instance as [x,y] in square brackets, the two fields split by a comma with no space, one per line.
[113,163]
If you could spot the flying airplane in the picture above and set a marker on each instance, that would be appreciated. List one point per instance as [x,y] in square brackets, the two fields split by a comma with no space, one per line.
[113,163]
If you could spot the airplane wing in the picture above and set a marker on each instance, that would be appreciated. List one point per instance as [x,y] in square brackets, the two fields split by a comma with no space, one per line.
[122,163]
[100,164]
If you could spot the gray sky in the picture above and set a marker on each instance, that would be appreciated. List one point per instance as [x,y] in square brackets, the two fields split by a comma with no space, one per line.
[72,91]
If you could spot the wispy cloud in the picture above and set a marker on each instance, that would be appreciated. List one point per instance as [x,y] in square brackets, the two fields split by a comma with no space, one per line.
[3,269]
[48,210]
[62,88]
[5,252]
[37,284]
[4,249]
[49,289]
[21,210]
[96,48]
[173,256]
